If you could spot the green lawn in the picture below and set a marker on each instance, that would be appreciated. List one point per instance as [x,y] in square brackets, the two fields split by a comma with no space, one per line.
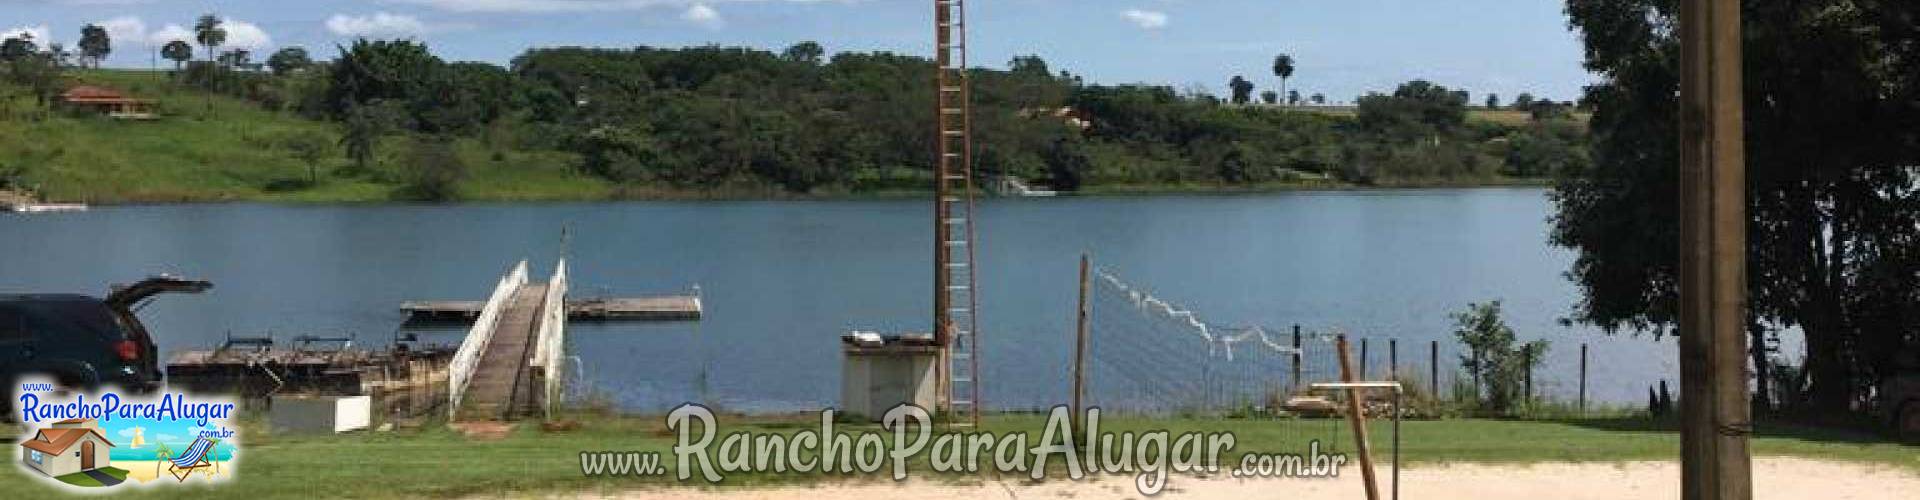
[226,149]
[440,463]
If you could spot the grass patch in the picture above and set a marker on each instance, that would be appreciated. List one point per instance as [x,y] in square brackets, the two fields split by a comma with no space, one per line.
[434,462]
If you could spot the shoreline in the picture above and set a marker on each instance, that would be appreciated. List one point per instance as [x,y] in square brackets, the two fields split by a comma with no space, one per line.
[726,195]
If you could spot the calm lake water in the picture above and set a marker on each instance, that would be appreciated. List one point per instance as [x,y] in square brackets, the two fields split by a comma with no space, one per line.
[782,280]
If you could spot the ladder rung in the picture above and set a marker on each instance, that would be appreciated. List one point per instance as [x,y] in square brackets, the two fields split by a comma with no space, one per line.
[956,287]
[956,220]
[961,310]
[950,111]
[952,155]
[954,133]
[955,177]
[956,243]
[950,89]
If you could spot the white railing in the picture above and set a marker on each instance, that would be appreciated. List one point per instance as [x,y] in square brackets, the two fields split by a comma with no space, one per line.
[460,371]
[551,345]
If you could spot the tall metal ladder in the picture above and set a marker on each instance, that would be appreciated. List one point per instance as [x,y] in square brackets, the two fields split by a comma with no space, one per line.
[955,300]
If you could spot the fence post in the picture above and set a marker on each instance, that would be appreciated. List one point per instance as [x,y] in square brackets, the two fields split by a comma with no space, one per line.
[1583,379]
[1080,344]
[1363,358]
[1393,359]
[1296,359]
[1527,397]
[1433,366]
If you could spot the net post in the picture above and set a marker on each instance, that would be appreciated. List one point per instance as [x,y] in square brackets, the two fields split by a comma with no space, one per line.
[1363,357]
[1583,379]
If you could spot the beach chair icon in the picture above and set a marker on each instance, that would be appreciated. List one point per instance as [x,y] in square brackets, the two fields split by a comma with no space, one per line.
[194,459]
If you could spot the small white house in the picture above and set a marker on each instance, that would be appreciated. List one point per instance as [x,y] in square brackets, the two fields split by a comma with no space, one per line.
[68,447]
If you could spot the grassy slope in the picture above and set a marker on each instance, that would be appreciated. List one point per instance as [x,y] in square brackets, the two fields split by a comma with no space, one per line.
[228,150]
[438,463]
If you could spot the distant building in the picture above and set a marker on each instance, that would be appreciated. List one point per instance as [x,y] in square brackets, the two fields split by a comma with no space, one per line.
[68,447]
[107,102]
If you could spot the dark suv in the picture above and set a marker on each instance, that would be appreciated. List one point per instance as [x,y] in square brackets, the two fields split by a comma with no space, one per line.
[84,342]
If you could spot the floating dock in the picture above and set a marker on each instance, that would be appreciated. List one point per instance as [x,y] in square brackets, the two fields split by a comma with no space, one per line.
[654,308]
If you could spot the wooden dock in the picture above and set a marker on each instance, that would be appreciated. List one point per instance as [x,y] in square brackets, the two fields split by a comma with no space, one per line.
[654,308]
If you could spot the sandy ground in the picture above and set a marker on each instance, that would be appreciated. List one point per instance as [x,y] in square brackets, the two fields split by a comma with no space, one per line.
[1784,478]
[144,471]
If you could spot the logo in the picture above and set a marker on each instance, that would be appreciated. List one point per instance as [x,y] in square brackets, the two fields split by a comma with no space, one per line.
[105,440]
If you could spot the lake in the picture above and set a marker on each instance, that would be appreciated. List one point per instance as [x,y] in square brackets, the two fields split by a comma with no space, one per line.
[783,280]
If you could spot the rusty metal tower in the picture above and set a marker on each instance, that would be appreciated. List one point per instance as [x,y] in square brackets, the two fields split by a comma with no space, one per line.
[955,298]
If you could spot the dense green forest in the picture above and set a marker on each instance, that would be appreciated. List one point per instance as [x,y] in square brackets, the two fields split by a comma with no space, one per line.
[644,121]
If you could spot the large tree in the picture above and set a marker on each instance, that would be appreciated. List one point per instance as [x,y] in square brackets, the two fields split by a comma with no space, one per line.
[289,60]
[1832,144]
[95,44]
[178,51]
[1242,89]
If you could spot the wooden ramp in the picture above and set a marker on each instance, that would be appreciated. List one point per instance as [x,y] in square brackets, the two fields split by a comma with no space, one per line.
[508,366]
[500,388]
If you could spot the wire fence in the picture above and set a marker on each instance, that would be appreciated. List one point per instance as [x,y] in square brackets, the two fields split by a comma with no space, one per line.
[1150,355]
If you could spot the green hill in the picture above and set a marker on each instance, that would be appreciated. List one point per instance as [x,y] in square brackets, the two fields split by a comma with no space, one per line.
[218,148]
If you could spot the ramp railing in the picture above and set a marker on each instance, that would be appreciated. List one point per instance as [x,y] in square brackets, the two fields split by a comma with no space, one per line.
[460,370]
[550,346]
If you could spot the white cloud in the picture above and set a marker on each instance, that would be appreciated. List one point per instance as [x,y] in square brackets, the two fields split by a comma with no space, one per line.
[125,30]
[245,35]
[240,35]
[1146,19]
[703,15]
[40,34]
[377,25]
[170,33]
[578,5]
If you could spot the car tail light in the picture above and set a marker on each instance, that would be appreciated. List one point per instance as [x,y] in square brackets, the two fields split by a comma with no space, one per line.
[127,349]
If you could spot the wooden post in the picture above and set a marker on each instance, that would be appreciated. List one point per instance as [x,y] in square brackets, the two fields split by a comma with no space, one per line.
[1080,344]
[1433,366]
[1583,379]
[1715,462]
[1297,354]
[1358,420]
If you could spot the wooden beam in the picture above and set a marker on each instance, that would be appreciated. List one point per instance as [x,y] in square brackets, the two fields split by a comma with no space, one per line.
[1715,461]
[1357,417]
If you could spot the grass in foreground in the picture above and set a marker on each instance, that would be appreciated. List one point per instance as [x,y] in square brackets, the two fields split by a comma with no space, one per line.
[439,463]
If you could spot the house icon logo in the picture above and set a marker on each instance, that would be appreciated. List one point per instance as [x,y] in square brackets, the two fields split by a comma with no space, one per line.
[71,448]
[88,441]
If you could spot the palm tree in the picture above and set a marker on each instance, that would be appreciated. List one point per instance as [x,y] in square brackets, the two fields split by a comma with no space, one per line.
[1283,68]
[210,34]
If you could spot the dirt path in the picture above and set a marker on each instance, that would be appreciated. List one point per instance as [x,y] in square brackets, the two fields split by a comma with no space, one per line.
[1783,478]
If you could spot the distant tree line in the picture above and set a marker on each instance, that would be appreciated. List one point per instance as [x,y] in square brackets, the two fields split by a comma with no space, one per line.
[805,120]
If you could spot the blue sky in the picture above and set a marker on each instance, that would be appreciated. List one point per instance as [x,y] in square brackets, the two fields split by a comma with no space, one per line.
[1342,47]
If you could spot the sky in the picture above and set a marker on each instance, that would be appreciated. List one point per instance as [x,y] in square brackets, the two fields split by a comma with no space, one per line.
[1342,48]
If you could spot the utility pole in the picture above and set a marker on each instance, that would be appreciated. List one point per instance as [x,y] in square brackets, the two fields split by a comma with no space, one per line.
[1714,459]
